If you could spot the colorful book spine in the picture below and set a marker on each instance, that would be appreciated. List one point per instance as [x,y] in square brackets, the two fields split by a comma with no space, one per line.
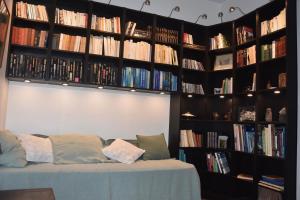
[29,37]
[135,78]
[103,74]
[165,81]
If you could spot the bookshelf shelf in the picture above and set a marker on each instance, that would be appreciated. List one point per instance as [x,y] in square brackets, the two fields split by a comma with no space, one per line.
[174,45]
[128,37]
[221,51]
[31,22]
[105,33]
[272,36]
[272,91]
[246,67]
[272,61]
[246,44]
[137,61]
[103,57]
[18,46]
[58,51]
[193,70]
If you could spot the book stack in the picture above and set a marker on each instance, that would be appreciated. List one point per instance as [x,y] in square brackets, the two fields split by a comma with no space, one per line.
[164,81]
[131,30]
[66,70]
[217,163]
[137,50]
[275,50]
[27,66]
[192,88]
[272,182]
[71,18]
[227,86]
[31,11]
[29,37]
[107,46]
[182,155]
[166,35]
[190,139]
[192,64]
[112,25]
[244,137]
[188,38]
[244,34]
[245,177]
[135,77]
[276,23]
[219,42]
[66,42]
[213,140]
[271,140]
[165,55]
[246,56]
[103,74]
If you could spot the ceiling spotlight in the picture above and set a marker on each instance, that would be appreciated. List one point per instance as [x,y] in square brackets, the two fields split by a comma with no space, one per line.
[189,96]
[100,87]
[162,93]
[65,84]
[276,91]
[109,2]
[27,81]
[176,9]
[232,9]
[203,16]
[220,15]
[132,90]
[249,95]
[222,96]
[147,3]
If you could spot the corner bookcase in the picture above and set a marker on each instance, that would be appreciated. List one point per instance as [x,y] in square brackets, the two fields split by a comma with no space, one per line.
[203,105]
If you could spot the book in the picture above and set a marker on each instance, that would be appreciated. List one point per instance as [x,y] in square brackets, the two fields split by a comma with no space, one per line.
[104,24]
[63,69]
[166,35]
[165,55]
[192,88]
[103,73]
[214,140]
[135,77]
[192,64]
[107,46]
[31,11]
[217,163]
[137,50]
[273,50]
[71,18]
[182,155]
[245,177]
[27,66]
[244,136]
[246,56]
[29,37]
[165,81]
[244,34]
[276,23]
[226,87]
[66,42]
[219,42]
[188,38]
[282,80]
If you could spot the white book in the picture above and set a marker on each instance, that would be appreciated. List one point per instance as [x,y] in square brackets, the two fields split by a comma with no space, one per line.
[190,138]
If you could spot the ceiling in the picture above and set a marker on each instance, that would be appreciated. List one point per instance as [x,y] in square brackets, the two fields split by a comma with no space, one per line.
[217,1]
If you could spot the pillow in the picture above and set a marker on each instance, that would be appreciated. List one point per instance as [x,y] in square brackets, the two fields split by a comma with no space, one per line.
[155,146]
[13,154]
[123,151]
[37,149]
[72,148]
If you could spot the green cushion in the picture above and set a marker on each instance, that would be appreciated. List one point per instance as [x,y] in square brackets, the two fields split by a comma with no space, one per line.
[72,148]
[133,142]
[13,154]
[155,146]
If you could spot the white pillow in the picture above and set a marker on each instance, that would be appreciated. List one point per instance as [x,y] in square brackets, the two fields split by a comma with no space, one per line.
[37,149]
[122,151]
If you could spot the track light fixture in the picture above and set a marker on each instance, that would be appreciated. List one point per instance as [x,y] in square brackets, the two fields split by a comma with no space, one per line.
[203,16]
[220,15]
[109,2]
[176,9]
[232,9]
[147,3]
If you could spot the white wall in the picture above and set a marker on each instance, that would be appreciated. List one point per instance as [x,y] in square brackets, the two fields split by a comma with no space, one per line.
[3,81]
[48,109]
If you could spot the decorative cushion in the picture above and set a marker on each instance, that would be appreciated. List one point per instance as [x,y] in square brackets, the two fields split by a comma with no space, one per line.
[123,151]
[13,154]
[72,148]
[155,146]
[109,141]
[37,149]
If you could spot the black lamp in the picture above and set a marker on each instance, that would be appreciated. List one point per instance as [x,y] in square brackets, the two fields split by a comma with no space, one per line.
[147,3]
[203,16]
[232,9]
[176,8]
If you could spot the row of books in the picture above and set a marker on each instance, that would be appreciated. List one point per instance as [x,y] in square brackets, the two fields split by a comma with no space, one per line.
[214,140]
[246,56]
[31,11]
[21,65]
[272,182]
[227,86]
[165,81]
[271,140]
[137,50]
[166,35]
[103,73]
[244,34]
[67,42]
[188,38]
[218,42]
[29,37]
[217,163]
[129,28]
[132,30]
[192,88]
[135,78]
[165,55]
[70,70]
[188,138]
[108,46]
[276,23]
[192,64]
[244,137]
[71,18]
[112,25]
[274,50]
